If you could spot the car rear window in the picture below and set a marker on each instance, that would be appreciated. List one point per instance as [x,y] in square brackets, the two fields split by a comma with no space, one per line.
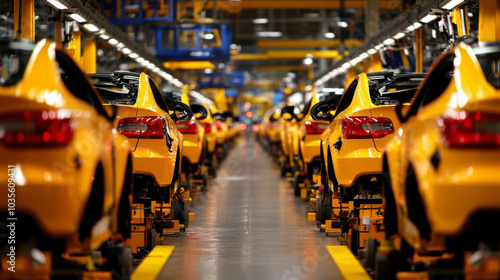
[117,90]
[385,90]
[14,57]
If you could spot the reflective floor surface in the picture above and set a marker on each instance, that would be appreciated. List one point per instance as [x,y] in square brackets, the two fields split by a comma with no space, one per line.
[249,225]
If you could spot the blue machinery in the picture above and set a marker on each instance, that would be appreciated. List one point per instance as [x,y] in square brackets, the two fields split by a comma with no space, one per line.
[172,40]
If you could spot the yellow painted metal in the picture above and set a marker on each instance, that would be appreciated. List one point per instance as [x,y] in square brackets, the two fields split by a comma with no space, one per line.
[461,20]
[58,38]
[489,20]
[421,136]
[311,217]
[152,265]
[347,263]
[250,56]
[188,65]
[237,6]
[308,43]
[288,54]
[74,48]
[221,101]
[89,56]
[46,169]
[376,63]
[419,51]
[198,7]
[351,75]
[192,217]
[27,28]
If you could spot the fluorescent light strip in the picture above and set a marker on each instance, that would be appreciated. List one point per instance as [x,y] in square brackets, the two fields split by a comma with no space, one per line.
[78,18]
[113,41]
[452,4]
[104,36]
[133,55]
[389,41]
[428,18]
[260,21]
[57,4]
[139,60]
[398,35]
[91,28]
[126,51]
[273,34]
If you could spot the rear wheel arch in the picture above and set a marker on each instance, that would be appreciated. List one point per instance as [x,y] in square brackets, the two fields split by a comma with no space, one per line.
[331,171]
[389,201]
[124,208]
[94,206]
[415,204]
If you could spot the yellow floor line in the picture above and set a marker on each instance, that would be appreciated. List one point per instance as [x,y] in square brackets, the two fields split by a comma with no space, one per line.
[151,266]
[348,264]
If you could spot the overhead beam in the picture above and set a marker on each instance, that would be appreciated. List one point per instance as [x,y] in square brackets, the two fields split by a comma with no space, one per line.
[397,24]
[188,65]
[351,43]
[283,68]
[280,55]
[235,7]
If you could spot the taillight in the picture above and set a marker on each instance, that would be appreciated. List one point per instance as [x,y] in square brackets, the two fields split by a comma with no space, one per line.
[218,125]
[470,129]
[36,128]
[208,127]
[142,127]
[366,127]
[315,128]
[187,127]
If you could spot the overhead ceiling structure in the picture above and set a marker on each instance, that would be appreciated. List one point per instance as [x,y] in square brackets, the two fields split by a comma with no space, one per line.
[287,33]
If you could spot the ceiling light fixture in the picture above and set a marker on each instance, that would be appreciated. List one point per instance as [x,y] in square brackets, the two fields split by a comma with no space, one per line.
[126,51]
[269,34]
[78,18]
[398,36]
[389,41]
[113,41]
[260,20]
[57,4]
[452,4]
[428,18]
[104,36]
[91,28]
[329,35]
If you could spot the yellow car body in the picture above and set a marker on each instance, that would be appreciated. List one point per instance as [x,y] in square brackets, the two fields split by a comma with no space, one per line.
[351,151]
[441,165]
[210,131]
[193,133]
[71,169]
[309,137]
[158,150]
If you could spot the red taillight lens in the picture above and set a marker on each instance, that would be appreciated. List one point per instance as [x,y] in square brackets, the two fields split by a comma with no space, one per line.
[142,127]
[470,129]
[218,125]
[315,128]
[35,128]
[187,127]
[366,127]
[208,127]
